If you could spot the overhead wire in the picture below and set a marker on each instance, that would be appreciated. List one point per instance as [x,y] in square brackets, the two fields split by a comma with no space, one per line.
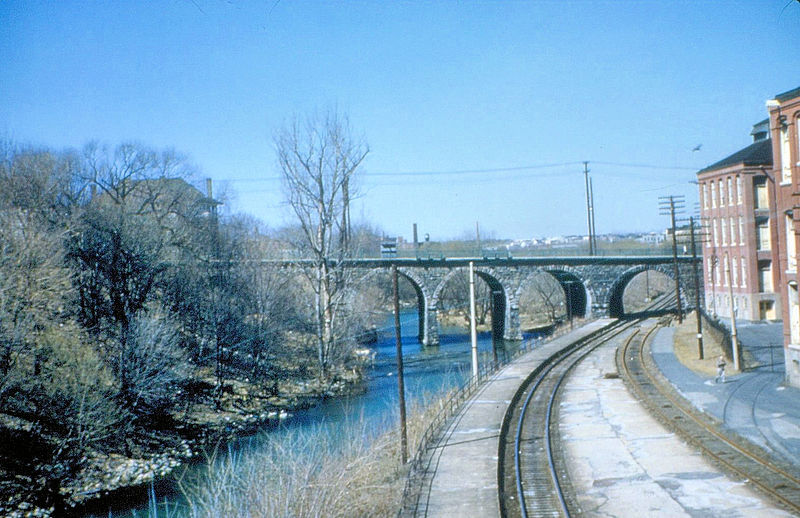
[478,171]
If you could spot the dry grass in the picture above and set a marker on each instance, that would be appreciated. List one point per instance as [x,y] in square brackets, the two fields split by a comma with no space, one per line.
[687,353]
[352,473]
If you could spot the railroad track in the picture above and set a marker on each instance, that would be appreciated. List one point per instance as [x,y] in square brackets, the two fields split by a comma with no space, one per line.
[531,474]
[738,456]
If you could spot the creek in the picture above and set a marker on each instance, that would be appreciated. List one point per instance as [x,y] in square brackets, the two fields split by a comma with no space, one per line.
[428,372]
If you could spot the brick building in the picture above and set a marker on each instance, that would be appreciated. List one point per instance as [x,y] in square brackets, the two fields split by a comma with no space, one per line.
[784,120]
[735,206]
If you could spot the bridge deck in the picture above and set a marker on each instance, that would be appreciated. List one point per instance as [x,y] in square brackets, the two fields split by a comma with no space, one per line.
[462,476]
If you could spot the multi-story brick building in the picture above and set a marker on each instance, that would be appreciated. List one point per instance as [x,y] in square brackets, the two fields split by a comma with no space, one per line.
[737,213]
[784,121]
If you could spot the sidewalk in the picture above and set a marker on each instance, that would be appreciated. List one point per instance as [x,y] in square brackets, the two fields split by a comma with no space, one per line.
[755,404]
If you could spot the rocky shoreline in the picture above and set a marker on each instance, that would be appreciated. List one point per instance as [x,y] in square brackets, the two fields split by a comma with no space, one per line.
[104,477]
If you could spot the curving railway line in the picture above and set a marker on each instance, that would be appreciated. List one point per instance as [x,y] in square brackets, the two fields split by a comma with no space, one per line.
[531,480]
[770,475]
[531,469]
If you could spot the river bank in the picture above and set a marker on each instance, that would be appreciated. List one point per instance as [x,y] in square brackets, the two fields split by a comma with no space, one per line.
[156,451]
[318,411]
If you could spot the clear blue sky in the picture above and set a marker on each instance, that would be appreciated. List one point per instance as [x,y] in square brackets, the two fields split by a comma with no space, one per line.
[434,87]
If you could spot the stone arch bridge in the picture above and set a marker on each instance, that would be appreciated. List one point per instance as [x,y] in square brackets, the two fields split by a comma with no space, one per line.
[593,285]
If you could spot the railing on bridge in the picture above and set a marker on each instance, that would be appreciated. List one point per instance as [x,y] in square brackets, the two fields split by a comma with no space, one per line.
[434,251]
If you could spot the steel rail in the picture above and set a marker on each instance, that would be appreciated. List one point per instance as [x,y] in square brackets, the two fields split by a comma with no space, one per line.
[576,352]
[737,455]
[532,384]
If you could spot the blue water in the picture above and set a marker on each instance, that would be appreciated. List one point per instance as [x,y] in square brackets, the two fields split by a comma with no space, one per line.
[428,371]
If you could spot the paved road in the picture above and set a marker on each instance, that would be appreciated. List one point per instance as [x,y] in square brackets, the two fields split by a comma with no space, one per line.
[755,404]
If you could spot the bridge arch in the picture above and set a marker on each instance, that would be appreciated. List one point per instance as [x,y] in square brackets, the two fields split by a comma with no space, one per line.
[614,300]
[576,293]
[422,306]
[504,309]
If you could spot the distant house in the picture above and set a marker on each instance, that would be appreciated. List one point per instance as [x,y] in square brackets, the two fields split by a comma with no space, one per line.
[739,222]
[162,195]
[652,238]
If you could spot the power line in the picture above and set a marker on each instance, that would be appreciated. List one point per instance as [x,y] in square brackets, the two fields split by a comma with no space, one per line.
[474,171]
[457,172]
[647,166]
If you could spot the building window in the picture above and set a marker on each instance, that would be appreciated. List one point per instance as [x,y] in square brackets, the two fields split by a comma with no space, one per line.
[764,277]
[734,272]
[739,190]
[705,196]
[726,268]
[743,278]
[794,314]
[733,231]
[717,272]
[791,244]
[721,193]
[723,231]
[730,191]
[741,230]
[797,132]
[713,194]
[714,231]
[761,197]
[786,164]
[763,241]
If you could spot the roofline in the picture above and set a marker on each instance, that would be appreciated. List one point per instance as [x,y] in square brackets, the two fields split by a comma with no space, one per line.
[791,94]
[719,165]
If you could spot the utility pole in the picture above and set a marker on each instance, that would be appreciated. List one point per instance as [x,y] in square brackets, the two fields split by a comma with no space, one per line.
[669,205]
[401,391]
[473,330]
[696,292]
[216,270]
[588,206]
[734,338]
[478,237]
[591,207]
[496,294]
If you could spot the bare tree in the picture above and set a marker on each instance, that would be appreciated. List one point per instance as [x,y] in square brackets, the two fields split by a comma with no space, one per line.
[455,297]
[157,367]
[318,160]
[126,238]
[544,294]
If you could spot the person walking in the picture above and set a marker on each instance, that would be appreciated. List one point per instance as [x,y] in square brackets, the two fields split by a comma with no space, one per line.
[720,370]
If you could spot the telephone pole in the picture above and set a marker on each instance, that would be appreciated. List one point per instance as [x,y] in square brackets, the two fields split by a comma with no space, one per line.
[473,332]
[588,206]
[669,205]
[696,292]
[401,390]
[593,236]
